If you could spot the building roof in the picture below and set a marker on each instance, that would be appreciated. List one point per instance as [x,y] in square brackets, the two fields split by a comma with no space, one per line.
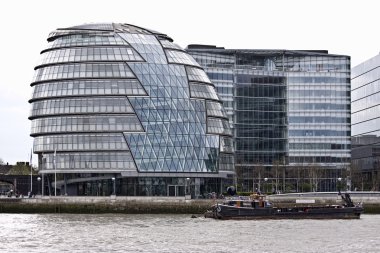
[104,27]
[263,52]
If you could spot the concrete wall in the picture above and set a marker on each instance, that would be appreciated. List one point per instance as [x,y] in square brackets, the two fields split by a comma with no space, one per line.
[141,205]
[165,205]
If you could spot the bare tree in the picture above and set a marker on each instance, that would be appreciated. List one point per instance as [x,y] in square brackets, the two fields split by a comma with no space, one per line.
[1,161]
[316,173]
[276,168]
[357,177]
[259,173]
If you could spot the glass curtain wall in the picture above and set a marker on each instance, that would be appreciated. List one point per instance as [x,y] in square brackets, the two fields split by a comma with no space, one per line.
[365,125]
[290,112]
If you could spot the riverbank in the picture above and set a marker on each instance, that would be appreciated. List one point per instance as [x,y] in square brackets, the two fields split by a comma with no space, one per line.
[166,205]
[130,205]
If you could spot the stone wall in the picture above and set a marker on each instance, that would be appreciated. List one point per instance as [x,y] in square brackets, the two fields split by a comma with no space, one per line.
[137,205]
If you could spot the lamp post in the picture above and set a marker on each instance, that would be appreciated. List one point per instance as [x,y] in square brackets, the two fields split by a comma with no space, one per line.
[114,186]
[339,179]
[39,180]
[265,184]
[188,185]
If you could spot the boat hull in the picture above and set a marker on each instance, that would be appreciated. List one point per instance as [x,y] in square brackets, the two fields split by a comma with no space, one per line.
[243,213]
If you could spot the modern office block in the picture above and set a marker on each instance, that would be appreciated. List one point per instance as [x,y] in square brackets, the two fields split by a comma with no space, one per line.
[365,97]
[116,104]
[289,111]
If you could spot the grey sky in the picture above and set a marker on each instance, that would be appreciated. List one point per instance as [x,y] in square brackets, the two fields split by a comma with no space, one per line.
[342,27]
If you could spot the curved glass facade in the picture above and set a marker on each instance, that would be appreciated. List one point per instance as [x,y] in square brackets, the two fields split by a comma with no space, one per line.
[116,100]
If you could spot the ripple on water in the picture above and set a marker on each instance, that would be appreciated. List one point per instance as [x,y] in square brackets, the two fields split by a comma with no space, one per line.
[180,233]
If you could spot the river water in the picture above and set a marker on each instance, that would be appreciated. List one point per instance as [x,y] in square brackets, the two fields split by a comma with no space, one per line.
[180,233]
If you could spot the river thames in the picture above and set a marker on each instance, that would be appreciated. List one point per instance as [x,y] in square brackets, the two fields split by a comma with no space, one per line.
[180,233]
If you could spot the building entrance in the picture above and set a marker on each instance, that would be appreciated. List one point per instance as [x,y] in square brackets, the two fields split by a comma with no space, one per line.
[176,190]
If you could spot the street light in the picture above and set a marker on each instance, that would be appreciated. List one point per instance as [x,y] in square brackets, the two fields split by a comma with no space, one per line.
[114,186]
[338,183]
[39,179]
[187,186]
[265,184]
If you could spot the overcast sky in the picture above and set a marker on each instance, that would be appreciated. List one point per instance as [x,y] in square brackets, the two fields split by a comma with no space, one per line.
[342,27]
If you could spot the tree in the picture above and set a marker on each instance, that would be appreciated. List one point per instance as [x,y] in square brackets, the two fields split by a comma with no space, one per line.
[1,161]
[316,173]
[21,169]
[357,177]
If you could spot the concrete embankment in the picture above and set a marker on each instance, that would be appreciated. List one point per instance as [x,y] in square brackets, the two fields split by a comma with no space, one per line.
[130,205]
[168,205]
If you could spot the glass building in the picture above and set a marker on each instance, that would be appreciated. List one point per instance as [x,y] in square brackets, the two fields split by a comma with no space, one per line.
[119,109]
[365,97]
[289,111]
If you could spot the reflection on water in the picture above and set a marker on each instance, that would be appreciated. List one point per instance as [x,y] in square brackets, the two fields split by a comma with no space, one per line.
[180,233]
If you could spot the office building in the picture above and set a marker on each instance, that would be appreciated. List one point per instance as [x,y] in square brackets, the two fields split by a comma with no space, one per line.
[365,97]
[289,111]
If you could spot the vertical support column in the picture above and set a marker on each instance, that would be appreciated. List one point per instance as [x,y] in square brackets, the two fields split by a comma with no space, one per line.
[65,185]
[43,184]
[197,187]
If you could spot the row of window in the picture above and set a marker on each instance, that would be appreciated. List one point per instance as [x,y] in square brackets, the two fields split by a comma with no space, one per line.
[248,158]
[176,152]
[366,90]
[80,142]
[260,145]
[260,80]
[320,146]
[180,57]
[81,106]
[214,109]
[260,104]
[177,165]
[89,161]
[366,114]
[366,102]
[226,161]
[87,40]
[88,87]
[224,90]
[84,54]
[86,124]
[317,119]
[226,144]
[261,91]
[168,44]
[365,78]
[318,79]
[195,74]
[261,131]
[318,159]
[318,133]
[318,106]
[83,70]
[182,145]
[318,93]
[222,75]
[366,126]
[199,90]
[218,126]
[260,118]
